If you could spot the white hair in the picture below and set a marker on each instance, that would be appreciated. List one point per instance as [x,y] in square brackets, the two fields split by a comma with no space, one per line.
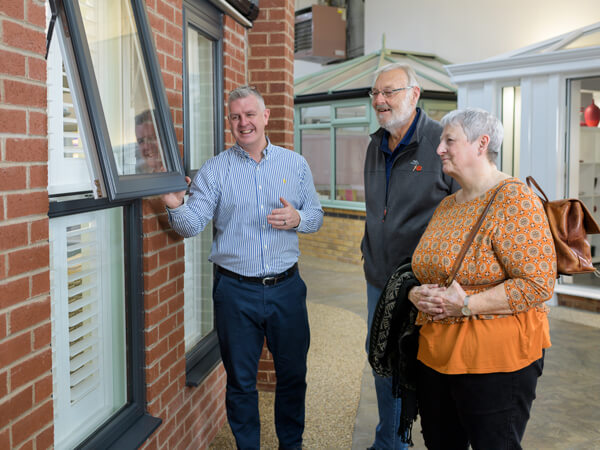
[409,71]
[476,122]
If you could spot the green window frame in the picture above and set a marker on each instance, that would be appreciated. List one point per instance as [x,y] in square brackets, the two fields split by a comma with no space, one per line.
[331,127]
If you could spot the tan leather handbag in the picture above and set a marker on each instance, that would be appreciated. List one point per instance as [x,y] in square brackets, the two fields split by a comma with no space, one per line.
[570,223]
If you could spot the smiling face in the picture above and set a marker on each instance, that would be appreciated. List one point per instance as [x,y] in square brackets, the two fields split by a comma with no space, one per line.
[248,119]
[149,148]
[458,155]
[397,111]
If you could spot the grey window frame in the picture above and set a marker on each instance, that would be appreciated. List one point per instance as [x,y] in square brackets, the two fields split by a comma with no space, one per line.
[205,18]
[120,187]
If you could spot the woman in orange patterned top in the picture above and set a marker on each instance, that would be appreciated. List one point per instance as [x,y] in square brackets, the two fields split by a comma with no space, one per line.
[482,340]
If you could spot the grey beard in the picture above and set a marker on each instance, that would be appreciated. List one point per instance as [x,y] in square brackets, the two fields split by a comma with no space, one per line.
[395,123]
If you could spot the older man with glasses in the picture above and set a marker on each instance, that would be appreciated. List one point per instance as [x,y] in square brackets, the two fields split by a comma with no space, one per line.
[404,183]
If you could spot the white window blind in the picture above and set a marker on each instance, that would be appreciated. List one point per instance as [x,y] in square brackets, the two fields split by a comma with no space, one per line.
[67,166]
[88,322]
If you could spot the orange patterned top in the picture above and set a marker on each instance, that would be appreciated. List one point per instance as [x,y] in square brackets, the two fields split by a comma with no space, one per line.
[514,246]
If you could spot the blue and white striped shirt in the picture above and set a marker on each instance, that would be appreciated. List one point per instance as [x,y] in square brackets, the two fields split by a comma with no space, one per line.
[239,193]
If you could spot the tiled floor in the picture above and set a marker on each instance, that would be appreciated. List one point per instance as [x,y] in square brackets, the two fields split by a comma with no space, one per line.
[566,413]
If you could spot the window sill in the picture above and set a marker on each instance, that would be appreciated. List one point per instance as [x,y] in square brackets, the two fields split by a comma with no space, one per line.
[202,360]
[140,429]
[137,434]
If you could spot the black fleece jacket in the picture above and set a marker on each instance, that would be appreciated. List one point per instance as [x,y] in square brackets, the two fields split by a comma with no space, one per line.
[417,185]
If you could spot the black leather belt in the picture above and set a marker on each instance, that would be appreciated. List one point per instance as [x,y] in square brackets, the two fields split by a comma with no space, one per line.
[265,281]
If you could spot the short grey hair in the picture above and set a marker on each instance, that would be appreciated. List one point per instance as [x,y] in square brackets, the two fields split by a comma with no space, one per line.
[409,71]
[243,92]
[476,122]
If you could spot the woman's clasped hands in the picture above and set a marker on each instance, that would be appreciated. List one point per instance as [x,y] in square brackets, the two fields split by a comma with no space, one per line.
[437,301]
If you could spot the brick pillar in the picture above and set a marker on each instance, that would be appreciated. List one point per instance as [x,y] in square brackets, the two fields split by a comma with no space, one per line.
[271,70]
[271,66]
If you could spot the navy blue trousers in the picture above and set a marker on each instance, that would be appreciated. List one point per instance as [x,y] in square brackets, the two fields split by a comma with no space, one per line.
[246,313]
[488,411]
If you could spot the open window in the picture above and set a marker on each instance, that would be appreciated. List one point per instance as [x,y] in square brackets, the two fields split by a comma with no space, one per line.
[127,131]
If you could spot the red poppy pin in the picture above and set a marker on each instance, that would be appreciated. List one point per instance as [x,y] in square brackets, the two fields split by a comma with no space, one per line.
[416,166]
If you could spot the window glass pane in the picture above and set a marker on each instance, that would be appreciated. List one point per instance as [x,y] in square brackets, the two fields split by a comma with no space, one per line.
[436,109]
[88,322]
[351,112]
[198,306]
[123,84]
[350,148]
[200,98]
[584,170]
[67,165]
[315,114]
[591,39]
[198,282]
[511,119]
[316,148]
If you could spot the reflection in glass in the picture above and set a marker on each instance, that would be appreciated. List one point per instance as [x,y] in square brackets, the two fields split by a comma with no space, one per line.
[350,148]
[123,85]
[316,146]
[315,114]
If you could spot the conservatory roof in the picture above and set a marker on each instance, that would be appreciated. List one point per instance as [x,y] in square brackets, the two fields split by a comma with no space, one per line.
[576,50]
[584,37]
[357,74]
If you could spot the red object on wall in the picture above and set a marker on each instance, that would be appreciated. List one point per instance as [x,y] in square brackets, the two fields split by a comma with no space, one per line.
[592,115]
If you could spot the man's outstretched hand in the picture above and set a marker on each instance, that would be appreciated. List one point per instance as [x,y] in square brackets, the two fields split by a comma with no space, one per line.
[175,199]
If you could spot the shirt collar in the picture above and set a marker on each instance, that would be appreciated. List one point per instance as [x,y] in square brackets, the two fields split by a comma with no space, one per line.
[266,151]
[405,140]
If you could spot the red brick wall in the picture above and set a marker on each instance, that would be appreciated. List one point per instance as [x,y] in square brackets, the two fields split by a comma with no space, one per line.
[191,416]
[271,66]
[25,355]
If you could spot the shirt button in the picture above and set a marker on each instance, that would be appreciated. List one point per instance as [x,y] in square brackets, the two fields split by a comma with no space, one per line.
[261,206]
[259,187]
[264,226]
[265,246]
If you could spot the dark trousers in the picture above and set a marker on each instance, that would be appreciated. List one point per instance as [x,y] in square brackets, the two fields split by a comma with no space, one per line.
[487,411]
[246,312]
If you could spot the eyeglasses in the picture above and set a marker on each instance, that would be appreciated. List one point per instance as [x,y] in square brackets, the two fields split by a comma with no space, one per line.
[387,93]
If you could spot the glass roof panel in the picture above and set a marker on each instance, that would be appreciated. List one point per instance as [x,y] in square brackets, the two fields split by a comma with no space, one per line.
[591,39]
[366,81]
[541,49]
[360,73]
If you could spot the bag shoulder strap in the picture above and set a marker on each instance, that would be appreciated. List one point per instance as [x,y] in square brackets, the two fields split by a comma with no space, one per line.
[530,180]
[471,237]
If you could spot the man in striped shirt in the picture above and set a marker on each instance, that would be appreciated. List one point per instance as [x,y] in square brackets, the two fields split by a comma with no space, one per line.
[259,197]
